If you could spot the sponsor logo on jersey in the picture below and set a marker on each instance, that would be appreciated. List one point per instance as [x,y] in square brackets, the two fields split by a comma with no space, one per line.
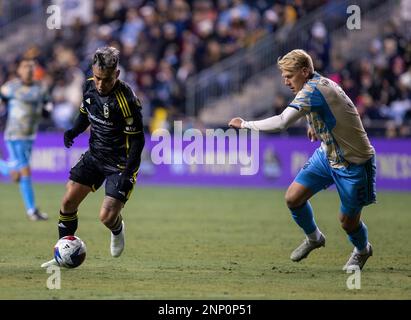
[106,111]
[107,123]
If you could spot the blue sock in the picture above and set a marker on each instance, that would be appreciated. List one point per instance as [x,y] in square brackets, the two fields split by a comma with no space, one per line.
[27,192]
[303,216]
[359,238]
[4,168]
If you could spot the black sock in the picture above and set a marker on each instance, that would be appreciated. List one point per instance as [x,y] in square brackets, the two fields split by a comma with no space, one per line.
[67,224]
[118,226]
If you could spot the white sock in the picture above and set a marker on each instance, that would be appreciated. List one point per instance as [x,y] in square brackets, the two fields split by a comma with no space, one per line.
[363,251]
[314,236]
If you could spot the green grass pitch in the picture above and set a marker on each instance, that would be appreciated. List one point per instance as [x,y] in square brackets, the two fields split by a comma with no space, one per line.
[204,243]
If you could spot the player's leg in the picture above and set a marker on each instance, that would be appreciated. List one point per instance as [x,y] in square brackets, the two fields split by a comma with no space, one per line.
[68,219]
[23,155]
[85,177]
[357,233]
[356,187]
[20,152]
[110,213]
[297,199]
[110,216]
[9,167]
[27,192]
[313,177]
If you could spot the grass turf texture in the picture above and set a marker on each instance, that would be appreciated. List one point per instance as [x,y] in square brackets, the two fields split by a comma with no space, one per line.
[203,243]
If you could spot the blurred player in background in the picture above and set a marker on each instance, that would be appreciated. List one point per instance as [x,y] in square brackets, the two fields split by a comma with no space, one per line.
[26,102]
[113,112]
[345,157]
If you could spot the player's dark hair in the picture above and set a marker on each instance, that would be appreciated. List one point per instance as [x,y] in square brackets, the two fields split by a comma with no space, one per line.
[106,58]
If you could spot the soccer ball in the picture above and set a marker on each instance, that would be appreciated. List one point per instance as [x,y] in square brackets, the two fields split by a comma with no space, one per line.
[70,252]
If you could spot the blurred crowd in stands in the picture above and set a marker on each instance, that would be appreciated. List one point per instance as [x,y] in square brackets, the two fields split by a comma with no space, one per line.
[380,82]
[164,42]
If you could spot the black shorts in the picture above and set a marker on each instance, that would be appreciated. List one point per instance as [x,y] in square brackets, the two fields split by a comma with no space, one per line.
[90,172]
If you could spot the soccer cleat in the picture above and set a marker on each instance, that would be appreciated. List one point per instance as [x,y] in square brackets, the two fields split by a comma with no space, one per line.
[49,263]
[357,260]
[117,242]
[306,247]
[37,216]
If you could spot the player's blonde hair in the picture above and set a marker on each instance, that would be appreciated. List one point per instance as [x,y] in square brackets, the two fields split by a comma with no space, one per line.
[296,60]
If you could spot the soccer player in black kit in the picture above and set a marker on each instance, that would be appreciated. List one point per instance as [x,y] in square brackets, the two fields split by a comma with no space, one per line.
[113,113]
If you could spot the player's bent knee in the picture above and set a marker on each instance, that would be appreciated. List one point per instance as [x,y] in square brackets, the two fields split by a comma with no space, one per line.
[108,218]
[105,220]
[75,194]
[348,228]
[297,195]
[110,210]
[292,200]
[349,224]
[68,205]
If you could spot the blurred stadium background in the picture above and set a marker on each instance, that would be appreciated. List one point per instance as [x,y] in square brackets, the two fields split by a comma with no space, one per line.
[204,62]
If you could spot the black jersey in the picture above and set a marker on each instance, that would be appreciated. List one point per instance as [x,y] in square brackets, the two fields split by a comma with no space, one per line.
[112,118]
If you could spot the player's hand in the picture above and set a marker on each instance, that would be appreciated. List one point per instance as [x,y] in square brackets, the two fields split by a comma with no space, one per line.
[125,182]
[68,138]
[311,135]
[236,123]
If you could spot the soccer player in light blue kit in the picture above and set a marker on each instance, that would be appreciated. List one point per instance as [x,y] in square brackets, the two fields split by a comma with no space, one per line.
[25,100]
[345,157]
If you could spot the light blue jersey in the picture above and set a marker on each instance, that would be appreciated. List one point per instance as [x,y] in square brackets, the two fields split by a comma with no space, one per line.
[24,109]
[24,105]
[346,157]
[335,120]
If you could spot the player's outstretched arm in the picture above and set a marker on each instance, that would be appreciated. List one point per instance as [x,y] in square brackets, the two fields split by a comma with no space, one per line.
[277,123]
[80,125]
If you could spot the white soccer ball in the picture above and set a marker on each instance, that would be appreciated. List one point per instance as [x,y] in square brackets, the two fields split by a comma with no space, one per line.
[70,252]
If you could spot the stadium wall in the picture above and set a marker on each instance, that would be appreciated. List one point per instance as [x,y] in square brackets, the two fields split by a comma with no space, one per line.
[279,159]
